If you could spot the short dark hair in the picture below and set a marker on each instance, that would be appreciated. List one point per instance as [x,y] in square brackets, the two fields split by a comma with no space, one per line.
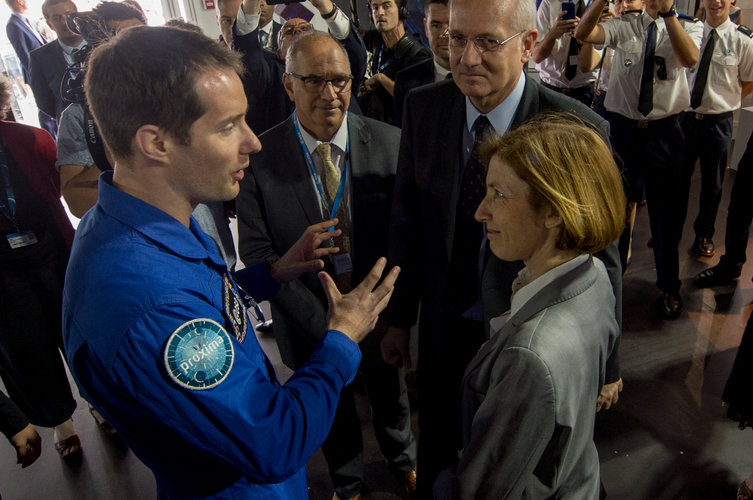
[117,11]
[51,3]
[147,75]
[429,2]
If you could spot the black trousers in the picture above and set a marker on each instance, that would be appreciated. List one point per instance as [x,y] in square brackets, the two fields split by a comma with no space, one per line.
[31,365]
[651,152]
[440,375]
[708,139]
[388,396]
[739,213]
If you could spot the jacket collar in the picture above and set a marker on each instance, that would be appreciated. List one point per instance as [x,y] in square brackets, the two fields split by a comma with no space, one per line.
[156,225]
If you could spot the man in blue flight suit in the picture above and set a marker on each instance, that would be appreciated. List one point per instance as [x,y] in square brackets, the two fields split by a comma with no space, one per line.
[155,327]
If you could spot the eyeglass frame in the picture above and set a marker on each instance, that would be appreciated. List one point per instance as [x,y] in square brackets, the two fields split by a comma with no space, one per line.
[481,50]
[290,30]
[325,81]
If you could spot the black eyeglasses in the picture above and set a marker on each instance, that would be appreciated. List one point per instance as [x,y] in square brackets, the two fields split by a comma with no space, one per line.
[300,27]
[482,43]
[314,83]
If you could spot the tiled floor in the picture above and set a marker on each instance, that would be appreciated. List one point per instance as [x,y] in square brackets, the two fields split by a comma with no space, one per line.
[667,437]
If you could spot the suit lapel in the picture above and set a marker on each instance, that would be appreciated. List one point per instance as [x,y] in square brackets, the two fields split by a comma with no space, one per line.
[450,168]
[529,105]
[359,137]
[301,186]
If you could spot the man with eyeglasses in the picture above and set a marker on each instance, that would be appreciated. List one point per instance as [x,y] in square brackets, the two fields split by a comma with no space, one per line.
[648,89]
[324,162]
[433,235]
[430,69]
[269,104]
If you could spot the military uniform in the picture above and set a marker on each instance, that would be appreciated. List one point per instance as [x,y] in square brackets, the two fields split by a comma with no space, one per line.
[650,144]
[708,125]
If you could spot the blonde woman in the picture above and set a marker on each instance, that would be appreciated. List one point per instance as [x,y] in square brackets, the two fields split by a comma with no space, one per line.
[554,196]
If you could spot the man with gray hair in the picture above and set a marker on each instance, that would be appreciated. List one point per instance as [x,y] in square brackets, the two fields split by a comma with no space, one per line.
[337,164]
[443,252]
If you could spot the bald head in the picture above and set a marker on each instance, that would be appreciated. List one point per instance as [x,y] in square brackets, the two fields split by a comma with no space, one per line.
[318,81]
[292,30]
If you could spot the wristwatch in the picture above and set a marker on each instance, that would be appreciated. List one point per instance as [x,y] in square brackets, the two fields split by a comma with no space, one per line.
[672,12]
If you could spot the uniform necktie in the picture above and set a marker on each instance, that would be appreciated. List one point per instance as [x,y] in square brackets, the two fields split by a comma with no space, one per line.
[572,52]
[703,72]
[330,184]
[571,68]
[646,97]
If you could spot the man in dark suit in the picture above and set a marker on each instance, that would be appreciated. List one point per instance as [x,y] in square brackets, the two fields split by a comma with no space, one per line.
[431,69]
[269,29]
[445,261]
[24,38]
[268,102]
[49,62]
[336,164]
[22,34]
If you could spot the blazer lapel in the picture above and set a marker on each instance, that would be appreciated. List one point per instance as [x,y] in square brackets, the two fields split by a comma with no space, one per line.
[300,185]
[529,104]
[359,137]
[450,168]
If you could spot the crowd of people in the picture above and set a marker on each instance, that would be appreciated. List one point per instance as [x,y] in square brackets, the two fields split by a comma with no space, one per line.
[378,184]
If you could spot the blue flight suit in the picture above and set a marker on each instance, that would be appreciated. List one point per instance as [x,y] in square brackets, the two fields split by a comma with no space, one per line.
[138,284]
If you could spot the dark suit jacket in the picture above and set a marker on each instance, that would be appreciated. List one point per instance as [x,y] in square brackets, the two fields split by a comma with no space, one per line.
[427,188]
[268,103]
[421,73]
[47,71]
[277,202]
[529,395]
[23,41]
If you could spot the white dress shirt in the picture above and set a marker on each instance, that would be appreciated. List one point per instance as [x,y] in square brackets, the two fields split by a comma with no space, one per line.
[731,62]
[627,36]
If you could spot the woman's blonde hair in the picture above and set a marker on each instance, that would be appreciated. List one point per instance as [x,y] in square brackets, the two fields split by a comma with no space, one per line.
[569,167]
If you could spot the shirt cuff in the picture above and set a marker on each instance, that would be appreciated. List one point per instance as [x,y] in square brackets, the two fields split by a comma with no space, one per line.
[245,23]
[339,25]
[337,349]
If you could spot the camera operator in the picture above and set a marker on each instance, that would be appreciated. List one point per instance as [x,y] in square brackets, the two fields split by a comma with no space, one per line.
[79,145]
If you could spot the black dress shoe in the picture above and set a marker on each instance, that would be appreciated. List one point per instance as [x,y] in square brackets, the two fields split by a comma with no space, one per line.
[704,247]
[671,305]
[715,276]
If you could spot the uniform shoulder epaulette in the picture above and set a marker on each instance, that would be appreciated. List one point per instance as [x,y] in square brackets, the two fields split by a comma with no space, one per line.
[685,17]
[745,30]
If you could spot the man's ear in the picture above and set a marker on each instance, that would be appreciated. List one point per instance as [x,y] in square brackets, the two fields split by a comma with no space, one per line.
[287,82]
[529,42]
[152,142]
